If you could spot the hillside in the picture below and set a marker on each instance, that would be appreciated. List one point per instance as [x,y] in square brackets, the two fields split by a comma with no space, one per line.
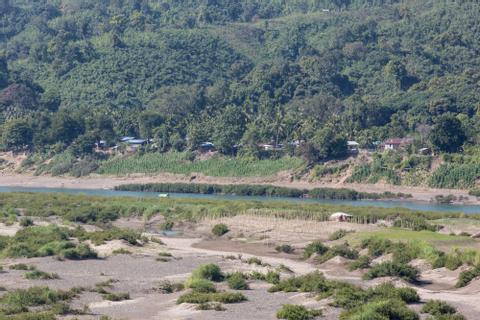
[245,72]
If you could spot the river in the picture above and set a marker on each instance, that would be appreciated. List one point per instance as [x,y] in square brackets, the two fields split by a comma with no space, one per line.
[413,205]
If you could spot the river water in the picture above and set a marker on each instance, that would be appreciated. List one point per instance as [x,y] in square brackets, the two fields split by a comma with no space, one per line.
[413,205]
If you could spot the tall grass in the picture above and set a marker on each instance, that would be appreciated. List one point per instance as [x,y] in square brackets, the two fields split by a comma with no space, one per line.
[179,163]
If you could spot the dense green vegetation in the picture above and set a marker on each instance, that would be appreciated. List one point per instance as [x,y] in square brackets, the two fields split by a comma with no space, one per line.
[260,190]
[102,210]
[238,73]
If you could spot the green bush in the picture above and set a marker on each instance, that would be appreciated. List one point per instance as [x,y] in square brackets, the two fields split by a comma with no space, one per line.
[210,272]
[339,234]
[285,248]
[236,281]
[21,266]
[167,226]
[467,276]
[392,269]
[311,282]
[437,308]
[219,229]
[272,277]
[315,247]
[80,252]
[380,310]
[40,275]
[200,285]
[26,222]
[363,262]
[376,246]
[296,312]
[223,297]
[116,296]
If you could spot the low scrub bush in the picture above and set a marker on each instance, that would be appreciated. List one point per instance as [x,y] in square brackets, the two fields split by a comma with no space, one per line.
[363,262]
[467,276]
[116,296]
[40,275]
[376,246]
[311,282]
[296,312]
[437,308]
[380,310]
[26,222]
[200,285]
[167,287]
[392,269]
[349,296]
[339,234]
[20,300]
[210,272]
[236,281]
[315,247]
[220,229]
[285,248]
[222,297]
[21,266]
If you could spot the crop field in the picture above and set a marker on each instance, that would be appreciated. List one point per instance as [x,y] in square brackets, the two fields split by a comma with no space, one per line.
[178,163]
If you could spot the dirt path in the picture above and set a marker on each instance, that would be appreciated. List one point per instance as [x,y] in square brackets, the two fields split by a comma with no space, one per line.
[109,182]
[186,245]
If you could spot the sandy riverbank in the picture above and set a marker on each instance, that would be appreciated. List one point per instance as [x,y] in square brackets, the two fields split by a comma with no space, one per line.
[109,182]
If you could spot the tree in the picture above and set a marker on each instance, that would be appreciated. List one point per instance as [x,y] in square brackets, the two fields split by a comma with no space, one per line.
[330,143]
[65,128]
[3,73]
[147,123]
[448,134]
[17,135]
[229,128]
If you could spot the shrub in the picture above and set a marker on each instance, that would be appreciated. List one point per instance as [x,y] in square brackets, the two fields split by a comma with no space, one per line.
[210,272]
[254,260]
[21,266]
[116,296]
[339,234]
[296,312]
[311,282]
[220,229]
[467,276]
[210,306]
[237,281]
[169,287]
[40,275]
[272,277]
[380,310]
[200,285]
[223,297]
[80,252]
[437,307]
[26,222]
[121,251]
[392,269]
[376,246]
[363,262]
[167,225]
[285,248]
[314,247]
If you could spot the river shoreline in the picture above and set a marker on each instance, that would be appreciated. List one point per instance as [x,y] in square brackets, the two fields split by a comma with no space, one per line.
[92,182]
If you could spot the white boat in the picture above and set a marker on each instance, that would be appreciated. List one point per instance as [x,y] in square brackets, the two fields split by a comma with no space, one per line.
[163,195]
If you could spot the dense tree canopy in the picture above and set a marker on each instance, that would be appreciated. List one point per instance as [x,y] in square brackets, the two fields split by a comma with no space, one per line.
[238,72]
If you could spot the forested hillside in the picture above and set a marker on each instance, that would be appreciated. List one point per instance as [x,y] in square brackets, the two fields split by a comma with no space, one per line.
[239,72]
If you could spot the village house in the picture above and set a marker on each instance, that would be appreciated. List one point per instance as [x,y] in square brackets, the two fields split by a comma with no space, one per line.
[353,146]
[396,143]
